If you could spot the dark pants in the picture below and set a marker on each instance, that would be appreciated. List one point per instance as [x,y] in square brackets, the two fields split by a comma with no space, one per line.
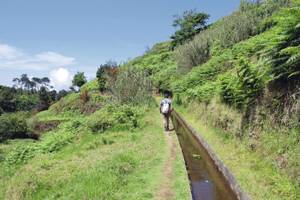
[166,121]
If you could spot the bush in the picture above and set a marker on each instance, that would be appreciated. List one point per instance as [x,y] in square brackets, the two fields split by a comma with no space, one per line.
[105,73]
[13,126]
[52,142]
[114,116]
[132,86]
[84,96]
[91,86]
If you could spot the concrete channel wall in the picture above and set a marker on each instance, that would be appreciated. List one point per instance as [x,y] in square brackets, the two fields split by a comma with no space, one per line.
[223,171]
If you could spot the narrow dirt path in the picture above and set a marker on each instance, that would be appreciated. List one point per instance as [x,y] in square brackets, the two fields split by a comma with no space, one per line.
[165,189]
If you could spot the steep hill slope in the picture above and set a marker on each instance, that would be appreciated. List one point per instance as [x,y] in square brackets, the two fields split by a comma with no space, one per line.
[246,92]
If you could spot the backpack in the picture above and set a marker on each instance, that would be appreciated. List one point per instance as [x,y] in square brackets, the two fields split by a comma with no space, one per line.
[165,107]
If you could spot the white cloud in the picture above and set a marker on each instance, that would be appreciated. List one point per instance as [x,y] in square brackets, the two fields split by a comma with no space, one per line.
[61,78]
[8,52]
[13,58]
[55,58]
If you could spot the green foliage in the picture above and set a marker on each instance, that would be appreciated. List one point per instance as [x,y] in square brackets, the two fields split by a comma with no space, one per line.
[105,73]
[118,165]
[26,102]
[79,79]
[241,90]
[44,98]
[13,126]
[190,24]
[202,93]
[196,82]
[12,100]
[115,116]
[242,24]
[158,64]
[79,103]
[132,86]
[91,86]
[101,79]
[50,143]
[285,56]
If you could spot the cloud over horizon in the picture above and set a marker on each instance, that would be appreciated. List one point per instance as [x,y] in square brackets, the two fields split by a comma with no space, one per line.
[14,58]
[61,78]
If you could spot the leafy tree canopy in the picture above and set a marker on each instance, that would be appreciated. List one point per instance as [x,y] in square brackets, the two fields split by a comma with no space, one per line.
[189,24]
[79,79]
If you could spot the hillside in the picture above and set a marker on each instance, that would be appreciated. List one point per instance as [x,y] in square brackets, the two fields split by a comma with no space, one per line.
[237,82]
[244,96]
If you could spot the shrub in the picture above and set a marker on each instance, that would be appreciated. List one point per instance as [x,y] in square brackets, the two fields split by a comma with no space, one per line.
[13,126]
[132,86]
[90,86]
[105,73]
[52,142]
[203,75]
[114,116]
[84,96]
[202,93]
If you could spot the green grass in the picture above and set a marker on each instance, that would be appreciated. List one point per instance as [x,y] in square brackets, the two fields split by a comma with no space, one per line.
[111,165]
[255,173]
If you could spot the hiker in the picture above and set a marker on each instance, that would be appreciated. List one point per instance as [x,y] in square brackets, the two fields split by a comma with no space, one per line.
[166,109]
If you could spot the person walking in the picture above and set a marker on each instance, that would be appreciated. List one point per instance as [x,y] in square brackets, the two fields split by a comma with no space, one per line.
[165,109]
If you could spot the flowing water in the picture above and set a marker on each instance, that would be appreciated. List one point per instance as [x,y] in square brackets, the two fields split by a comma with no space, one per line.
[207,182]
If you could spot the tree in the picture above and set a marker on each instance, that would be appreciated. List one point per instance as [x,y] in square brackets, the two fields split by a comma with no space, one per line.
[25,81]
[61,94]
[190,24]
[44,99]
[37,81]
[7,99]
[45,81]
[102,79]
[79,79]
[17,83]
[104,72]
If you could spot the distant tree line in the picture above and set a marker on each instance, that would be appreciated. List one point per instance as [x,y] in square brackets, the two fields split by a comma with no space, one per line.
[28,94]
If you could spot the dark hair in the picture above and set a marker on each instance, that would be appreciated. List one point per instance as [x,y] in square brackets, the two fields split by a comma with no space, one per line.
[166,95]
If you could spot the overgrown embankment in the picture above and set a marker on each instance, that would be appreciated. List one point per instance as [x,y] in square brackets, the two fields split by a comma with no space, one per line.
[241,77]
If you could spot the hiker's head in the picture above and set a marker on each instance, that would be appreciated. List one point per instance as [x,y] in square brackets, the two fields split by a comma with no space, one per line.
[166,95]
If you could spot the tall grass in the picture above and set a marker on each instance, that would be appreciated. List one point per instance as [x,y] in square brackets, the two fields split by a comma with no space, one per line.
[242,24]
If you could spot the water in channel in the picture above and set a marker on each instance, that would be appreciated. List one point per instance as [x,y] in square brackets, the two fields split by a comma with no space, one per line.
[206,181]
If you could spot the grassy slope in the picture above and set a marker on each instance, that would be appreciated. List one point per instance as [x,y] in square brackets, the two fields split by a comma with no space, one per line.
[257,175]
[83,165]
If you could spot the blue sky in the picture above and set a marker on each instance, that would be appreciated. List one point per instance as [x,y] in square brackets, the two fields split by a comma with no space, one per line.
[57,38]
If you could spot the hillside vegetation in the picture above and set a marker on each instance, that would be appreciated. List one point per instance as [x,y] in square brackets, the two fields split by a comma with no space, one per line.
[241,78]
[237,81]
[91,146]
